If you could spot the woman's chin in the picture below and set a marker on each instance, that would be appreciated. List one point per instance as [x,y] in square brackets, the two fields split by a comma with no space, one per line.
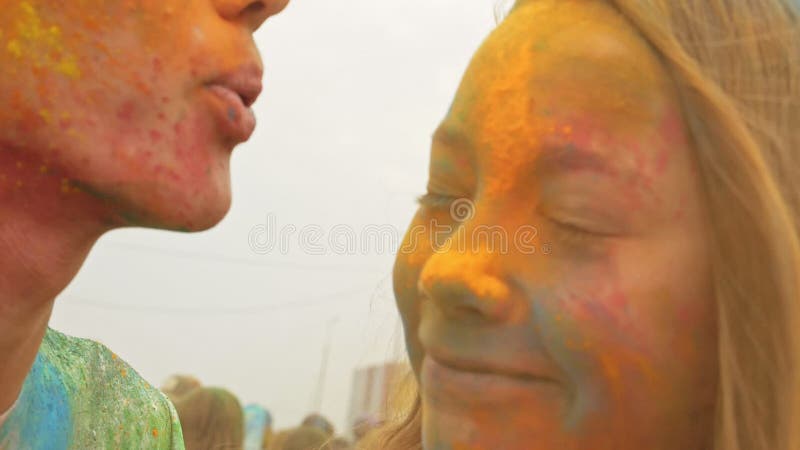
[487,430]
[534,421]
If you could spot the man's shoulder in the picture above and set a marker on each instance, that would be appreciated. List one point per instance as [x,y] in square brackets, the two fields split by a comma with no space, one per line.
[89,368]
[111,404]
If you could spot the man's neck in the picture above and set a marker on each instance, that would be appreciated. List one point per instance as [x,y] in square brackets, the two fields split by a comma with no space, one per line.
[47,228]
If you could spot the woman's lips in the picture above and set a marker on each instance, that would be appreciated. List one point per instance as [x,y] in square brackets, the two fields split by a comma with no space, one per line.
[456,385]
[235,118]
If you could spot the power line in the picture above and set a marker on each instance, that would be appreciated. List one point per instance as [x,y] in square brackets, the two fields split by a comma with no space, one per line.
[217,258]
[249,309]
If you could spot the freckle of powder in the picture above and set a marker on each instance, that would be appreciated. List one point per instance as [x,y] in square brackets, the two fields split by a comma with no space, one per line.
[610,370]
[46,116]
[661,161]
[15,48]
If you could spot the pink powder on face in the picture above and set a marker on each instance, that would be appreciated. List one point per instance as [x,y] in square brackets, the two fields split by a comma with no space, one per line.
[126,111]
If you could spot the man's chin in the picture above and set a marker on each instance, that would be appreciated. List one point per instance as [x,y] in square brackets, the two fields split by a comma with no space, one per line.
[192,214]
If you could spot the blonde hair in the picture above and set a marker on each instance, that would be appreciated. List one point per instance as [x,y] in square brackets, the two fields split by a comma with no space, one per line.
[180,385]
[736,66]
[211,418]
[304,437]
[403,420]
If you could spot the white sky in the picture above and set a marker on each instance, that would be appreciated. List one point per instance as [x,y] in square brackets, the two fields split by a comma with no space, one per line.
[353,91]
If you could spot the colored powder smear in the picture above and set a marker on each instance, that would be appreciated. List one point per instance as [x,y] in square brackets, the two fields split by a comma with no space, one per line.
[78,395]
[40,43]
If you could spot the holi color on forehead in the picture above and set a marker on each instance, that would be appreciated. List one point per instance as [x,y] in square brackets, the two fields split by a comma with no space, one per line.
[535,88]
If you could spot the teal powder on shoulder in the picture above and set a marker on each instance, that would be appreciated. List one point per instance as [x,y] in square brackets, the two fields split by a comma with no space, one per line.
[80,396]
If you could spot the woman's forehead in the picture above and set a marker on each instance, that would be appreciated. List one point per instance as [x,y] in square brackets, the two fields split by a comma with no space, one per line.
[596,67]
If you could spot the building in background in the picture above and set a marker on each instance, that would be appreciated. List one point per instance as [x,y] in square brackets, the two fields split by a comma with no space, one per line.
[372,389]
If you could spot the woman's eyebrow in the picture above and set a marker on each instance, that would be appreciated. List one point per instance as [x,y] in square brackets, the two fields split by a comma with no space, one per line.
[571,159]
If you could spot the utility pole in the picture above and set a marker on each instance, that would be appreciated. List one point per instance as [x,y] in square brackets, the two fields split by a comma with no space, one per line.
[323,369]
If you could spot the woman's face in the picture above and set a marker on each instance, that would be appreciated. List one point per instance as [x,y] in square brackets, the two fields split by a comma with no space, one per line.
[135,102]
[555,283]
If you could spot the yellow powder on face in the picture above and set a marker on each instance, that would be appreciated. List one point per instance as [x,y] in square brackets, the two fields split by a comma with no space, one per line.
[39,43]
[45,114]
[15,48]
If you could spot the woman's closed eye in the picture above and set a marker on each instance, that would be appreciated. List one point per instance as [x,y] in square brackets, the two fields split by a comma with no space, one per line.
[583,227]
[436,201]
[571,234]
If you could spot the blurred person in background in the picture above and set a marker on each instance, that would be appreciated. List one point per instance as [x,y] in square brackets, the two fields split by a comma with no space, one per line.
[180,385]
[257,425]
[301,438]
[341,443]
[212,418]
[320,422]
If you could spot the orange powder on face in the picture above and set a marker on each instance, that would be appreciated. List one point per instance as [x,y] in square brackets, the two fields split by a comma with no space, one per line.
[506,125]
[469,272]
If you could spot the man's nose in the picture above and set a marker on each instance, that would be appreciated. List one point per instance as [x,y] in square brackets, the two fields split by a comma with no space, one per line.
[251,13]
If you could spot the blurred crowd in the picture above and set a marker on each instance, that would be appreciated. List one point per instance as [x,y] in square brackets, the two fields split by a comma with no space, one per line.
[214,418]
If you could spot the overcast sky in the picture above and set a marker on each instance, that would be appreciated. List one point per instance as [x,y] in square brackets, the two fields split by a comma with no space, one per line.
[353,92]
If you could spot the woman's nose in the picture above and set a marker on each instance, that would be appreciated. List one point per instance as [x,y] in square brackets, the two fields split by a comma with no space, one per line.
[251,13]
[468,286]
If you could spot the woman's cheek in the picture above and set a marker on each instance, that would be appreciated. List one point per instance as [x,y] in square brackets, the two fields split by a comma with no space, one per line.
[593,339]
[417,248]
[408,265]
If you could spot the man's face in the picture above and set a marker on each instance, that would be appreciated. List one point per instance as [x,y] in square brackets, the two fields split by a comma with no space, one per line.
[135,102]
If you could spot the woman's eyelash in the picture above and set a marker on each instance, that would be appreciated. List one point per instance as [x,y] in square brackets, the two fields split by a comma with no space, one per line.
[432,200]
[579,237]
[572,234]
